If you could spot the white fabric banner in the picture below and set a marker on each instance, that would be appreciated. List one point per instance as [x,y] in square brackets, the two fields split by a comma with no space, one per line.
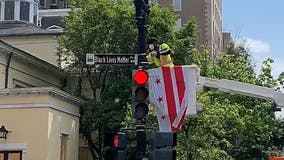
[173,94]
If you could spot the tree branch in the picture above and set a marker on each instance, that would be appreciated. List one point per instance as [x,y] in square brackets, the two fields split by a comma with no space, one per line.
[93,149]
[104,81]
[91,83]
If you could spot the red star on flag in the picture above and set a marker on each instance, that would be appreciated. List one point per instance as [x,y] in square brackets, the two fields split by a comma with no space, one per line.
[160,99]
[163,117]
[158,81]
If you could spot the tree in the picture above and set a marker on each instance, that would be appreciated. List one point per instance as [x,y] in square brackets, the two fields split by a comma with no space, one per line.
[265,78]
[230,126]
[184,42]
[105,26]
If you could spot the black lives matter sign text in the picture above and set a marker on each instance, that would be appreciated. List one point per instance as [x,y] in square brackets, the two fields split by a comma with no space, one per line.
[111,59]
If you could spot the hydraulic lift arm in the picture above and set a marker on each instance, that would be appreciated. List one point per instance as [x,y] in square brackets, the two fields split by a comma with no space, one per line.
[243,89]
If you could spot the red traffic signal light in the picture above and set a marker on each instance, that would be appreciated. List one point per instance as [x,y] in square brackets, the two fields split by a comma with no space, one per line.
[120,141]
[115,141]
[140,77]
[120,144]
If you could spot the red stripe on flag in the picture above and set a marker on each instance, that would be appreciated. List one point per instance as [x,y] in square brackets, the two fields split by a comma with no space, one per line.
[169,94]
[182,120]
[179,82]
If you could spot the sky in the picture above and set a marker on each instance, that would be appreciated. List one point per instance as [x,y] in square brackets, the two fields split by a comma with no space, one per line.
[261,24]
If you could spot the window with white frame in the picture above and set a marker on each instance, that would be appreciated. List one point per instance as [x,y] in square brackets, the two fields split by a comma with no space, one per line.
[19,10]
[9,10]
[177,4]
[24,11]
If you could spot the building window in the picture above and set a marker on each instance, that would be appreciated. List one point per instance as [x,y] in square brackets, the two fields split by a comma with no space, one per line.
[9,10]
[63,147]
[0,20]
[177,5]
[10,155]
[62,4]
[19,10]
[42,3]
[24,11]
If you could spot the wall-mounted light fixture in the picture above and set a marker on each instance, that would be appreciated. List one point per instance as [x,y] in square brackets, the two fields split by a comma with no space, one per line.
[3,132]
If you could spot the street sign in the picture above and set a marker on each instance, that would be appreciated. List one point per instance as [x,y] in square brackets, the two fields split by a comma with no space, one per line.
[111,59]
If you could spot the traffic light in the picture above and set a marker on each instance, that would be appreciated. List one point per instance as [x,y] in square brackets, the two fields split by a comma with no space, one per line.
[120,145]
[140,94]
[162,146]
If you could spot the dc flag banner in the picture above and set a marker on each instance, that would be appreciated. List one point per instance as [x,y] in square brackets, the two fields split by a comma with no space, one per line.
[173,94]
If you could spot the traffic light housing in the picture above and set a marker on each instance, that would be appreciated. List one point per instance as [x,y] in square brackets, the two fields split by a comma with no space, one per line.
[162,146]
[120,145]
[140,94]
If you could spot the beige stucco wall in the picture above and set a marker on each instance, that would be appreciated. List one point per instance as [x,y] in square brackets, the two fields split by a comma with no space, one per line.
[32,74]
[27,72]
[60,123]
[28,126]
[43,47]
[38,119]
[23,70]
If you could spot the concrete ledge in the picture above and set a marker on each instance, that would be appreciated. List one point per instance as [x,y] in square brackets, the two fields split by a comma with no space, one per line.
[13,147]
[43,91]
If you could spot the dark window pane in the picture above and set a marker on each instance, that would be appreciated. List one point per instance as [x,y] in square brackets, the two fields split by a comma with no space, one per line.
[61,4]
[9,10]
[42,3]
[35,13]
[25,11]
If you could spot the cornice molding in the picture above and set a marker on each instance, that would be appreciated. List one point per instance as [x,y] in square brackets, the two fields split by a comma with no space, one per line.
[54,12]
[13,147]
[43,91]
[40,105]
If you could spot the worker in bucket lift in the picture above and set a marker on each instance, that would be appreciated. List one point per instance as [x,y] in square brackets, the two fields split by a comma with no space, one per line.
[160,55]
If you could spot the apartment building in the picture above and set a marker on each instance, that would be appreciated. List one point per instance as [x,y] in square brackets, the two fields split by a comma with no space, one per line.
[209,19]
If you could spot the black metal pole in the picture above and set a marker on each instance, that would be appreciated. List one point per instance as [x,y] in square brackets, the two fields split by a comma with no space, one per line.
[141,16]
[141,141]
